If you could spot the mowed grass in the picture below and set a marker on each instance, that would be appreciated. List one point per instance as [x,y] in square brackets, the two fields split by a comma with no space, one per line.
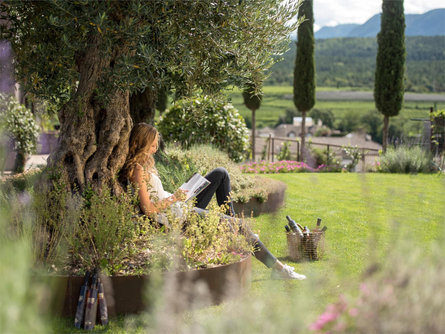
[275,105]
[367,215]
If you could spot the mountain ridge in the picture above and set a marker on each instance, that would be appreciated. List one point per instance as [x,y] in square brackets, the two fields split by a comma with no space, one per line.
[431,23]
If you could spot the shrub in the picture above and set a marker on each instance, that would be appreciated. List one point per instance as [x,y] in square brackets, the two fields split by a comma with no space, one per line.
[177,165]
[105,233]
[349,122]
[284,152]
[21,290]
[325,158]
[322,132]
[74,232]
[406,160]
[326,116]
[19,123]
[202,120]
[353,153]
[396,297]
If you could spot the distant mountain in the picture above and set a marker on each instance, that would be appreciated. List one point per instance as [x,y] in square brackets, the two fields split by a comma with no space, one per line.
[431,23]
[340,30]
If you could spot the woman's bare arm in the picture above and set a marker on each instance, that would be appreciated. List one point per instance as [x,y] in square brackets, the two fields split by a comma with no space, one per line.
[148,207]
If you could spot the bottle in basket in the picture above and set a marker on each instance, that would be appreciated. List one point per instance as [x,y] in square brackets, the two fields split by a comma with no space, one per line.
[287,228]
[294,227]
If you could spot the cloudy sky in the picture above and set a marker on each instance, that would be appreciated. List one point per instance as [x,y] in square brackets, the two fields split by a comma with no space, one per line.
[333,12]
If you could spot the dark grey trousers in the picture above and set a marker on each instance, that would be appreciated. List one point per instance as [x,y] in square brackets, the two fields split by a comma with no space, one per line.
[220,186]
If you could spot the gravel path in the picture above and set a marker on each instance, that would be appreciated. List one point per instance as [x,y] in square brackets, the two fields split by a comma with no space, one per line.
[368,96]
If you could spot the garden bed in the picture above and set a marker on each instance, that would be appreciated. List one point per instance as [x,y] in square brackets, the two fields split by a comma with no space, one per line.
[126,294]
[256,206]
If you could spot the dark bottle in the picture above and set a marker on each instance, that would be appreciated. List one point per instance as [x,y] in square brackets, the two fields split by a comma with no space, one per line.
[80,311]
[103,310]
[91,309]
[294,227]
[318,222]
[324,228]
[287,228]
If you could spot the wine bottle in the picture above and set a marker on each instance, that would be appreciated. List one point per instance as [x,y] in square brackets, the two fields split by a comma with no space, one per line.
[103,310]
[324,228]
[287,228]
[80,311]
[294,227]
[91,310]
[318,222]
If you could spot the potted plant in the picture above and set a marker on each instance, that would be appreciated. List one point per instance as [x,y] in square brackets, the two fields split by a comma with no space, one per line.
[101,230]
[19,124]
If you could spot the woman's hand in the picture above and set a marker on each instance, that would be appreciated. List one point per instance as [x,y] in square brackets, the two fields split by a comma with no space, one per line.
[180,195]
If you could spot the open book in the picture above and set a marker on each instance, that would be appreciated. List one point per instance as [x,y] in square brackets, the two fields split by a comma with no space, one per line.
[194,185]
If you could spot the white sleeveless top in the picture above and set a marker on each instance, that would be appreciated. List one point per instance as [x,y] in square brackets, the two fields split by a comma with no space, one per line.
[157,190]
[158,193]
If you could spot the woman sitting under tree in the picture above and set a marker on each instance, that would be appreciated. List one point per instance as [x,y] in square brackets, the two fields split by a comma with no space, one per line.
[139,169]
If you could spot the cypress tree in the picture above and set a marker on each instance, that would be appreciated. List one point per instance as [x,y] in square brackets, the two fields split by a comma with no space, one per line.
[304,72]
[252,100]
[390,63]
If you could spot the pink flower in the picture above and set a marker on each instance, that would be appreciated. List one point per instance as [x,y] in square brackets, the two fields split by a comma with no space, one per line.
[364,289]
[323,320]
[353,312]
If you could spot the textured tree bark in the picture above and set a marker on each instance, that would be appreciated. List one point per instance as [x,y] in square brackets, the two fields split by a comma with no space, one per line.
[303,135]
[253,134]
[93,141]
[385,133]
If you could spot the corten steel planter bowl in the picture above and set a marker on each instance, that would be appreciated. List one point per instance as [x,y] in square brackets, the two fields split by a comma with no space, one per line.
[127,294]
[254,207]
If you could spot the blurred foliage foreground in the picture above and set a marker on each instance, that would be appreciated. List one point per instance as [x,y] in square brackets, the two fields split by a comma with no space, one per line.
[399,291]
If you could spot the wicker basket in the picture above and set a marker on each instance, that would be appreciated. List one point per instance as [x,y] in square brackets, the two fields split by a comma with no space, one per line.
[310,247]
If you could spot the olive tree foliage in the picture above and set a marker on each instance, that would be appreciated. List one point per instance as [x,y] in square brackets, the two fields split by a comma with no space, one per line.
[304,72]
[92,55]
[390,63]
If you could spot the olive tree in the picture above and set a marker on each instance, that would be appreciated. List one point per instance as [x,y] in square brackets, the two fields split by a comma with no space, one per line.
[93,55]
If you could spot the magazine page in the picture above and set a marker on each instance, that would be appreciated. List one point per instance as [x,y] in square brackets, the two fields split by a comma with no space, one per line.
[194,186]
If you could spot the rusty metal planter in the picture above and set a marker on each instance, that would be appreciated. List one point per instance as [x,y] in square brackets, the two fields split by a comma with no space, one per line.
[126,294]
[254,207]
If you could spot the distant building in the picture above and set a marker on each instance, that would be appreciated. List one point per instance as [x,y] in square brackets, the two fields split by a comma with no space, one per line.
[292,130]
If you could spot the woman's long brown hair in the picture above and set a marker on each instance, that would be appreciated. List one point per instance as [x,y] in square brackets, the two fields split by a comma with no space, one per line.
[141,137]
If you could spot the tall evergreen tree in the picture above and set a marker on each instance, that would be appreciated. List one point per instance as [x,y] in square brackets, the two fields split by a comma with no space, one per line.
[390,63]
[252,99]
[304,72]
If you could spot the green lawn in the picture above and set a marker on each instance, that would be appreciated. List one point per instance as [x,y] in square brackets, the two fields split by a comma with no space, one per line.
[366,215]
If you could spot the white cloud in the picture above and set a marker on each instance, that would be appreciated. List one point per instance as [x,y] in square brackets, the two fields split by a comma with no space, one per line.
[333,12]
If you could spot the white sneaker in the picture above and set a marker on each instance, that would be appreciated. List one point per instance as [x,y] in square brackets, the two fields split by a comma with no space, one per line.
[287,272]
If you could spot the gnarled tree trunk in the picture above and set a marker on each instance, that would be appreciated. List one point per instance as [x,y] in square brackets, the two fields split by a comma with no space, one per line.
[303,136]
[143,106]
[385,133]
[93,141]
